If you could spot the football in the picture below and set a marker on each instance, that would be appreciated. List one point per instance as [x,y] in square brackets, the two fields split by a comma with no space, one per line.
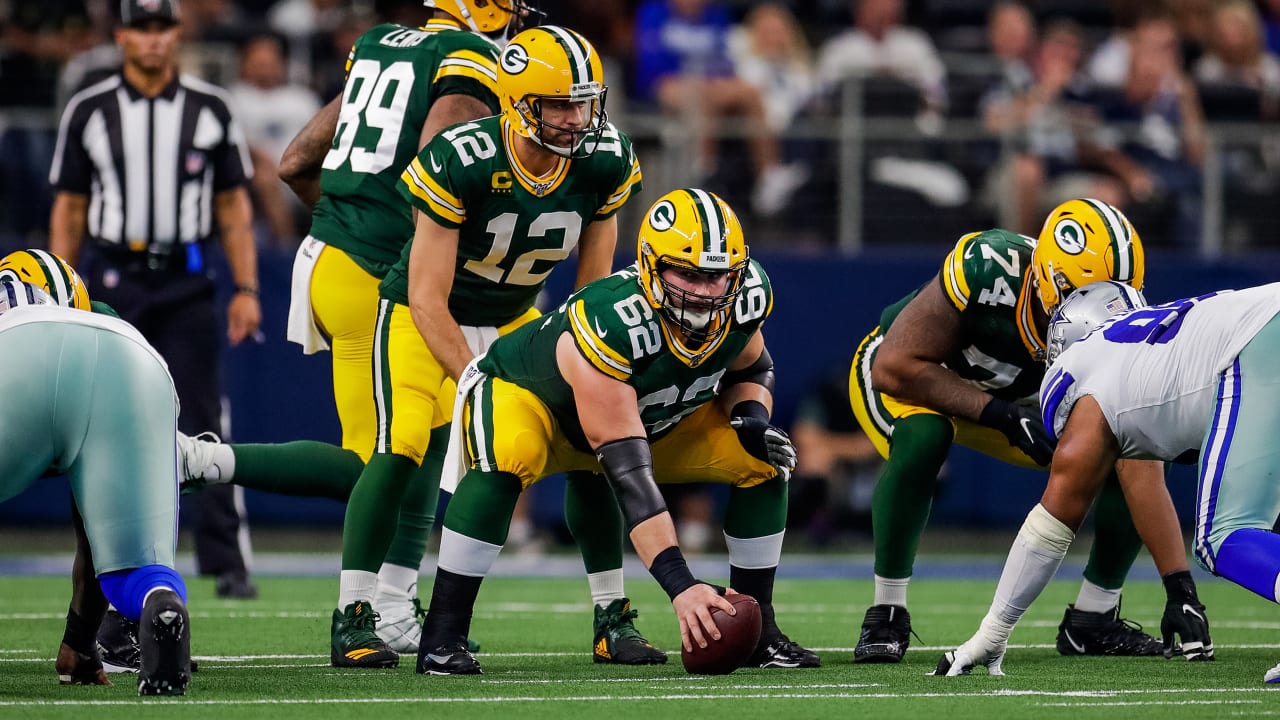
[738,637]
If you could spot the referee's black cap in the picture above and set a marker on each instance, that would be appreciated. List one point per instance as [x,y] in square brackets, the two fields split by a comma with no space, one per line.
[138,12]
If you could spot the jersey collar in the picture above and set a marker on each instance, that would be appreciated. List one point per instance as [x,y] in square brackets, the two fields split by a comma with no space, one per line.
[1027,330]
[535,186]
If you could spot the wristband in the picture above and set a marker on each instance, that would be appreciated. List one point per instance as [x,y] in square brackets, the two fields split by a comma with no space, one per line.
[249,290]
[1179,587]
[672,572]
[751,409]
[79,634]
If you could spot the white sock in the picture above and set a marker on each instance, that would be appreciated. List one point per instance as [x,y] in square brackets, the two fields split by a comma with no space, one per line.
[1095,599]
[356,585]
[397,577]
[224,459]
[891,591]
[606,587]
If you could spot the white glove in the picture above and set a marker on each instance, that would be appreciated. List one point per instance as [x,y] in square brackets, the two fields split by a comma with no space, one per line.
[986,647]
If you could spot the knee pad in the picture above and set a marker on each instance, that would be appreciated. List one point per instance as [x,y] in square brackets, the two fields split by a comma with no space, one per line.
[127,589]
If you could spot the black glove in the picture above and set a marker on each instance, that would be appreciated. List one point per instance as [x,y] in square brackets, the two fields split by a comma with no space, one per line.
[750,420]
[1184,615]
[1022,425]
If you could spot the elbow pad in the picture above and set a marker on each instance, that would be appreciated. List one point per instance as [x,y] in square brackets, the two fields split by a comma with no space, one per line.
[759,372]
[628,466]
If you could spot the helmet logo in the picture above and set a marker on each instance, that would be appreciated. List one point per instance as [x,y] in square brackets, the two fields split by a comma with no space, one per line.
[714,261]
[1069,236]
[8,275]
[515,59]
[663,216]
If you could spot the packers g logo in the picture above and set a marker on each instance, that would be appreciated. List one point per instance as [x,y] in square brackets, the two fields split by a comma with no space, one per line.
[663,216]
[1069,236]
[515,59]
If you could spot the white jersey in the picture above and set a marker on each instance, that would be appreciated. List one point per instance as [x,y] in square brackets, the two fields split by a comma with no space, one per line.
[1155,371]
[27,314]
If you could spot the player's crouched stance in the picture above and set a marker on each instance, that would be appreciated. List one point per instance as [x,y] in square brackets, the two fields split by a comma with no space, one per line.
[111,433]
[657,373]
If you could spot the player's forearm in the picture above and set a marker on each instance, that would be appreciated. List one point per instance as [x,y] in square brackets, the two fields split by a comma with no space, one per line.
[1153,513]
[442,335]
[303,160]
[653,536]
[933,386]
[235,222]
[67,226]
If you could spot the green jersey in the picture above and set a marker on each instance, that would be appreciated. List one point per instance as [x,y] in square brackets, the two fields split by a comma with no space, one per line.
[986,278]
[512,229]
[614,327]
[394,75]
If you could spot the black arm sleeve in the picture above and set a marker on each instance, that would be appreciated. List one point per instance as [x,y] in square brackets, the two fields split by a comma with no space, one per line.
[628,465]
[759,372]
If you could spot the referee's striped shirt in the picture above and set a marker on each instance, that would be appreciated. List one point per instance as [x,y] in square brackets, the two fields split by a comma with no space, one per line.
[150,166]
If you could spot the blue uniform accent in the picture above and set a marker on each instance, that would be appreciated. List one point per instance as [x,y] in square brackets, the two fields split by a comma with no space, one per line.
[1250,557]
[1057,390]
[1214,460]
[127,589]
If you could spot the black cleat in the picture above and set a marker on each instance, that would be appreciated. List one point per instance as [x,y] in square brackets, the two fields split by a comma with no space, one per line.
[618,641]
[235,586]
[451,659]
[778,651]
[165,636]
[118,643]
[886,634]
[1104,633]
[354,640]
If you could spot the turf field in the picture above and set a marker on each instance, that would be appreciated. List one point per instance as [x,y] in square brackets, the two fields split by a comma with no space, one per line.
[268,658]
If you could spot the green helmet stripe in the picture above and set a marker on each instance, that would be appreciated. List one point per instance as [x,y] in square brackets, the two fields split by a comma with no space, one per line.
[711,219]
[1121,242]
[576,49]
[55,275]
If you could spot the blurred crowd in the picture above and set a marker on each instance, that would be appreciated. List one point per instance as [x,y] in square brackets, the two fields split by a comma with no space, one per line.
[1105,98]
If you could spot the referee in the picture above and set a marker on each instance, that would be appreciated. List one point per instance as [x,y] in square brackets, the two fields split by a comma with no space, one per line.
[148,163]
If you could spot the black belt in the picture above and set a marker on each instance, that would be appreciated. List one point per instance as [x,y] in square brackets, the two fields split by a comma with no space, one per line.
[181,259]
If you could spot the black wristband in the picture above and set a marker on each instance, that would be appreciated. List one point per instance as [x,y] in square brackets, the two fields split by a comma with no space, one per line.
[995,413]
[80,635]
[750,408]
[672,572]
[1179,587]
[249,290]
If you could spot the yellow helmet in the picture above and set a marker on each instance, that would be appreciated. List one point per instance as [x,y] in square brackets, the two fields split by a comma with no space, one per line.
[48,272]
[552,63]
[1085,241]
[695,230]
[485,16]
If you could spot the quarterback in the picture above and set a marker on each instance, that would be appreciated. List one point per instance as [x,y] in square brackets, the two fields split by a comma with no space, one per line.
[959,361]
[657,373]
[1191,381]
[95,402]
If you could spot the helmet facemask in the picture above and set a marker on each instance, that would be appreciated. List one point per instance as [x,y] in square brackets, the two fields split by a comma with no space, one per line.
[585,139]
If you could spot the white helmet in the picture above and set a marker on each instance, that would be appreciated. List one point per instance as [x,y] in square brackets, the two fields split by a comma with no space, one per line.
[15,293]
[1084,309]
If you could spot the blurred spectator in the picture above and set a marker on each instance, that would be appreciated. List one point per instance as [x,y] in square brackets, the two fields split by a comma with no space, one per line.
[330,48]
[1236,57]
[1011,33]
[271,112]
[1153,135]
[1194,20]
[769,51]
[36,37]
[305,18]
[1272,25]
[683,64]
[837,464]
[1039,109]
[880,46]
[1109,64]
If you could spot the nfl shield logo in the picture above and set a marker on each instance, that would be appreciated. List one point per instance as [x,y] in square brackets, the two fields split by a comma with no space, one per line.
[195,162]
[149,5]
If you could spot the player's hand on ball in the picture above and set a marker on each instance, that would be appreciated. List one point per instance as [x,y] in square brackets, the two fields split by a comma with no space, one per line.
[693,608]
[976,651]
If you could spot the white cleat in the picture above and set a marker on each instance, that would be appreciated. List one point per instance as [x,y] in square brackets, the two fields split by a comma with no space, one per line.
[196,467]
[400,626]
[1273,675]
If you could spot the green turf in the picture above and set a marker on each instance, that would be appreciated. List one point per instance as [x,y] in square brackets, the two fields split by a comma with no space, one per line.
[268,658]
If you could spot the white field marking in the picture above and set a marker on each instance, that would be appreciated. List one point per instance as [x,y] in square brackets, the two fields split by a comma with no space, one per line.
[611,698]
[1149,703]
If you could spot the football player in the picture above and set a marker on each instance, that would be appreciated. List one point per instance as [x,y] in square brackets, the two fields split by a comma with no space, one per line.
[959,361]
[110,432]
[502,200]
[657,373]
[1191,381]
[403,85]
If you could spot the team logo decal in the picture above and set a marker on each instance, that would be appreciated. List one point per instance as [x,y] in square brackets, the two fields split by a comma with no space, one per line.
[1069,236]
[515,59]
[663,216]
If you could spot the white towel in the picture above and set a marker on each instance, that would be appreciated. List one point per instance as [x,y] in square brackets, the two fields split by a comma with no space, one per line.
[302,327]
[456,461]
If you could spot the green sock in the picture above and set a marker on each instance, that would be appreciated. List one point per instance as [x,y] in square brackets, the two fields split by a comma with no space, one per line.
[481,508]
[591,511]
[1115,542]
[418,508]
[373,510]
[304,468]
[904,494]
[757,511]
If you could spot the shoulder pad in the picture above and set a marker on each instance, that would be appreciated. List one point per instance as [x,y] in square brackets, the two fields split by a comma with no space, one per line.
[983,263]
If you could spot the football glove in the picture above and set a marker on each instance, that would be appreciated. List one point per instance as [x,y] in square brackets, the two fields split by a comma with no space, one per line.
[1022,425]
[1185,617]
[962,660]
[765,442]
[77,668]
